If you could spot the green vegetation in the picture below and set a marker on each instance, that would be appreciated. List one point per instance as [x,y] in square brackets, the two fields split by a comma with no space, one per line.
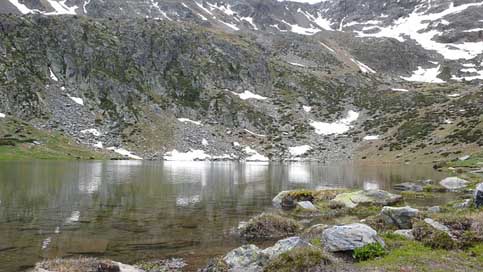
[19,141]
[369,252]
[299,260]
[268,226]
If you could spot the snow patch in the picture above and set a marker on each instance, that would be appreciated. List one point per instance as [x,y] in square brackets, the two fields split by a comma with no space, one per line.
[204,142]
[339,127]
[327,47]
[2,115]
[249,95]
[77,100]
[92,131]
[254,134]
[296,64]
[297,151]
[125,153]
[399,90]
[99,145]
[52,75]
[61,8]
[74,217]
[21,7]
[364,68]
[192,155]
[371,137]
[253,155]
[429,75]
[186,120]
[307,108]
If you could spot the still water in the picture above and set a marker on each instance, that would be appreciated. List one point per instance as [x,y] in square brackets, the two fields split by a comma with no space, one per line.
[131,210]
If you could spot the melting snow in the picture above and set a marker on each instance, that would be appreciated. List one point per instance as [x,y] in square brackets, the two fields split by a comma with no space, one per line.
[99,145]
[301,30]
[371,138]
[84,7]
[297,151]
[2,115]
[204,142]
[249,95]
[92,131]
[192,155]
[338,127]
[364,68]
[77,100]
[296,64]
[327,47]
[61,8]
[125,153]
[429,75]
[307,108]
[186,120]
[232,26]
[21,7]
[254,155]
[250,21]
[454,95]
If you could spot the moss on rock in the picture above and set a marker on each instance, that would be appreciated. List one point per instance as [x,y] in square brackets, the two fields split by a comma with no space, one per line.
[269,226]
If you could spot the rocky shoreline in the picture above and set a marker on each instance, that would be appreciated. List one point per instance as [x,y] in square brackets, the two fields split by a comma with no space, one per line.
[344,230]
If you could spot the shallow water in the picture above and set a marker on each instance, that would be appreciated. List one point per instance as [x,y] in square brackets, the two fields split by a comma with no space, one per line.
[132,210]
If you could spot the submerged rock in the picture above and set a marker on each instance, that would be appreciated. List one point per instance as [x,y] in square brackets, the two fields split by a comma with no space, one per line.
[376,197]
[478,197]
[453,183]
[285,245]
[246,258]
[408,187]
[399,216]
[349,237]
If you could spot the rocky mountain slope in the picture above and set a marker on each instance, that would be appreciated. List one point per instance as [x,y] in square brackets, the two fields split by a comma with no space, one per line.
[247,79]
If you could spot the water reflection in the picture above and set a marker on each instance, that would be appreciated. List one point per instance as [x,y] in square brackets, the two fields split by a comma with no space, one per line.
[128,210]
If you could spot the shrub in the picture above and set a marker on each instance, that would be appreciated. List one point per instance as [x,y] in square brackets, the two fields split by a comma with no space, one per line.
[269,226]
[299,260]
[369,252]
[432,237]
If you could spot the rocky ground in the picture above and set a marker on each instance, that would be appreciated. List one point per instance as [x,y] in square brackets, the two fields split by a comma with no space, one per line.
[374,231]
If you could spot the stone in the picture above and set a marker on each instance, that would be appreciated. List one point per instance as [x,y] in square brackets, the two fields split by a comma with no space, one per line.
[464,158]
[349,237]
[453,183]
[436,225]
[277,200]
[407,233]
[408,187]
[285,245]
[463,205]
[246,258]
[376,197]
[399,216]
[434,209]
[478,196]
[307,205]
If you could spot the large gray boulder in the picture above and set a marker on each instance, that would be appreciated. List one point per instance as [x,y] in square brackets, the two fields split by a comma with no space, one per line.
[285,245]
[479,195]
[349,237]
[453,183]
[376,197]
[246,258]
[407,233]
[399,216]
[277,200]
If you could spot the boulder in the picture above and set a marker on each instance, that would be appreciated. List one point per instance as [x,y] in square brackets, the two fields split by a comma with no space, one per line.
[408,187]
[478,197]
[463,205]
[307,206]
[246,258]
[436,225]
[399,216]
[407,233]
[285,245]
[453,183]
[83,264]
[376,197]
[349,237]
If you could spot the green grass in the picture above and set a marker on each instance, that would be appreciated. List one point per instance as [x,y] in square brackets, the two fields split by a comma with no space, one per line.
[405,255]
[53,146]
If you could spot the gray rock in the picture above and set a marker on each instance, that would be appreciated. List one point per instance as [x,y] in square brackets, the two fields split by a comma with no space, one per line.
[399,216]
[277,200]
[307,205]
[463,205]
[285,245]
[378,197]
[436,225]
[349,237]
[434,209]
[478,196]
[408,187]
[246,258]
[464,158]
[407,233]
[453,183]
